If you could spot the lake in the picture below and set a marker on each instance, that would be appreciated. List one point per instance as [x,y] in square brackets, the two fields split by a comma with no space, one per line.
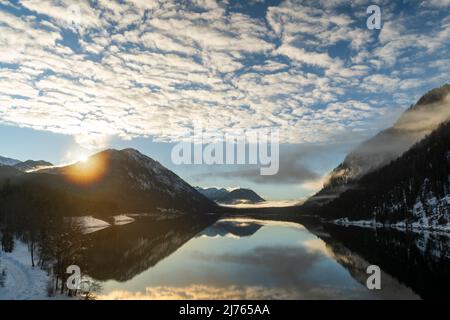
[248,258]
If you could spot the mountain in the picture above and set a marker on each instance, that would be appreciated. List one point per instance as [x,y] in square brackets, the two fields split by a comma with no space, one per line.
[31,165]
[235,196]
[231,228]
[8,172]
[419,120]
[25,166]
[412,190]
[110,182]
[417,259]
[212,193]
[241,195]
[8,161]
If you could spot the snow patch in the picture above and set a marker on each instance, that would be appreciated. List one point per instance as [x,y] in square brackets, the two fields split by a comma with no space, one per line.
[89,224]
[401,225]
[428,239]
[122,219]
[358,223]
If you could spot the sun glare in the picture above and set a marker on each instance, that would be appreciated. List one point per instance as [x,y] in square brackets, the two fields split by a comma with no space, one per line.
[88,169]
[83,158]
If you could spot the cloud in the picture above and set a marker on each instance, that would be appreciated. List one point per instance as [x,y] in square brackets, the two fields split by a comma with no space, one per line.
[436,3]
[296,260]
[151,69]
[202,292]
[291,171]
[292,168]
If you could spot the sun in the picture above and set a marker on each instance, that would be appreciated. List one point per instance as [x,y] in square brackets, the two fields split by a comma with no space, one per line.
[88,169]
[83,158]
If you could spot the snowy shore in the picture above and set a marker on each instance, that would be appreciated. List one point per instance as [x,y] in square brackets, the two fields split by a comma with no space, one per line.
[21,281]
[402,226]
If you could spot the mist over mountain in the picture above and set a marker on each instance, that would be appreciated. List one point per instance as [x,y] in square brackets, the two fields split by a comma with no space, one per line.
[421,119]
[31,165]
[25,166]
[412,190]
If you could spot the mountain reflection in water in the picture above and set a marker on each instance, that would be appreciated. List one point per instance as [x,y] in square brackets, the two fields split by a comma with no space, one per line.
[245,258]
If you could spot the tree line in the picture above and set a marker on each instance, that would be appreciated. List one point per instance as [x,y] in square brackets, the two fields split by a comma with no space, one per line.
[30,215]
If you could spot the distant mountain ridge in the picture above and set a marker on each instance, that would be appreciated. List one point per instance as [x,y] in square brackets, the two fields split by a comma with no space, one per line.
[24,166]
[232,228]
[239,195]
[31,165]
[213,193]
[8,161]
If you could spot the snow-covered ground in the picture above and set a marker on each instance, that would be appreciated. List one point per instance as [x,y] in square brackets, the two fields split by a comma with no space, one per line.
[416,226]
[357,223]
[431,239]
[21,280]
[122,219]
[430,211]
[89,224]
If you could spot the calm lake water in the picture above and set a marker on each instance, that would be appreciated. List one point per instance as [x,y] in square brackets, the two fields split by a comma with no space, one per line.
[245,258]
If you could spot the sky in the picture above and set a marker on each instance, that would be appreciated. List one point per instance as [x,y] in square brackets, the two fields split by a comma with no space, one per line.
[77,77]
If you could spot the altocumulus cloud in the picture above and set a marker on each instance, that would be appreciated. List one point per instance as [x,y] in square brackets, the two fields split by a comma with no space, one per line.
[148,68]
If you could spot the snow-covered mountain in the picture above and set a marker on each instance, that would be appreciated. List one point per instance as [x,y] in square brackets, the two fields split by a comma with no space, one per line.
[241,195]
[419,120]
[412,191]
[31,165]
[115,182]
[8,161]
[213,193]
[235,196]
